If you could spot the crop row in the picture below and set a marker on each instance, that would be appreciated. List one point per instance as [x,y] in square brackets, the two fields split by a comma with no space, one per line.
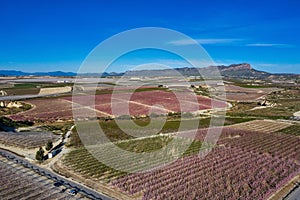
[18,182]
[86,163]
[140,103]
[291,130]
[226,173]
[284,146]
[26,139]
[246,165]
[262,125]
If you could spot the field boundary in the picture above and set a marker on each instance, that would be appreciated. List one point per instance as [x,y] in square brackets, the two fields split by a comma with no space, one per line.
[110,191]
[286,189]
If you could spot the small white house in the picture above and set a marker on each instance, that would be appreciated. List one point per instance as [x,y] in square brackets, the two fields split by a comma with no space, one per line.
[53,153]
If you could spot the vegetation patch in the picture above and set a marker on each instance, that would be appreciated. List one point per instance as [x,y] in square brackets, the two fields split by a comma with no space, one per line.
[292,130]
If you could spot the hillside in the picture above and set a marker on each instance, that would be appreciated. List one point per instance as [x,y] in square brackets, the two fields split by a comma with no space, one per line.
[243,70]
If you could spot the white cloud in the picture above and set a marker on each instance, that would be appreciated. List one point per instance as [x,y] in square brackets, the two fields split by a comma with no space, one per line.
[225,41]
[268,45]
[204,41]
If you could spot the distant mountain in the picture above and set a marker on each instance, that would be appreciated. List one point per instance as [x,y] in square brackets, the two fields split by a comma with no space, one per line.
[243,70]
[20,73]
[11,73]
[55,73]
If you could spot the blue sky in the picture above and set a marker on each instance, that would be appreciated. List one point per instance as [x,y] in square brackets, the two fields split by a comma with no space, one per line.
[58,35]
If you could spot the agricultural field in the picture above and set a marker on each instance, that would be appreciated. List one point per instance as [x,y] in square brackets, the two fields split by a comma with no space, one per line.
[48,110]
[140,104]
[27,140]
[284,104]
[244,164]
[291,130]
[81,162]
[113,131]
[161,102]
[224,174]
[244,94]
[266,126]
[18,182]
[252,159]
[31,88]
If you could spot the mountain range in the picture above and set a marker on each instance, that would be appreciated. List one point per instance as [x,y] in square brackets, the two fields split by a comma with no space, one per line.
[243,70]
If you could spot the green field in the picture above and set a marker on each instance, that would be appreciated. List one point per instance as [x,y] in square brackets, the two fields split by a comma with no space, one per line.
[115,133]
[32,87]
[82,161]
[292,130]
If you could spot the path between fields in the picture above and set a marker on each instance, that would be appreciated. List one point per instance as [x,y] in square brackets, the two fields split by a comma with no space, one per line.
[64,150]
[145,105]
[122,100]
[88,107]
[176,133]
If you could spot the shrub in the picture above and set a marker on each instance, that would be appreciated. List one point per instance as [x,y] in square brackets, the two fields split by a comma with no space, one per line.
[49,145]
[40,154]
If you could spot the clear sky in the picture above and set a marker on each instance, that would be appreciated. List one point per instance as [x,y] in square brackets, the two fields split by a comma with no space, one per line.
[55,35]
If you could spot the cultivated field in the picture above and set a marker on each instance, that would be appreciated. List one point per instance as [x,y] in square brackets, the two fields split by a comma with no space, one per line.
[28,140]
[84,163]
[18,182]
[49,110]
[244,165]
[237,93]
[266,126]
[292,130]
[285,104]
[140,104]
[227,173]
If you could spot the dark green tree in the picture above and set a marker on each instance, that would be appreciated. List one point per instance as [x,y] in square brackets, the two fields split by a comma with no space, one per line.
[40,154]
[49,145]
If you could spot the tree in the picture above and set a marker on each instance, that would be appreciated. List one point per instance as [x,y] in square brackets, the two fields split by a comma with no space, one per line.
[40,154]
[49,145]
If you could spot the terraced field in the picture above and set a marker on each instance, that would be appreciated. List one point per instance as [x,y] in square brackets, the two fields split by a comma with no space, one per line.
[18,182]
